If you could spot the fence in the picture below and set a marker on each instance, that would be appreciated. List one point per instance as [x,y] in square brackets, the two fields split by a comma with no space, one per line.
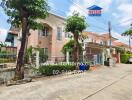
[7,54]
[7,58]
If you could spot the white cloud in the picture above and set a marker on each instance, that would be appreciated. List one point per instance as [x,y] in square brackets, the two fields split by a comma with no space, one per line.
[82,5]
[115,15]
[3,33]
[126,13]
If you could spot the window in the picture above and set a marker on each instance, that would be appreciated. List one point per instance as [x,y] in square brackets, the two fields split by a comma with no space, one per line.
[105,42]
[101,42]
[68,35]
[45,51]
[44,31]
[59,33]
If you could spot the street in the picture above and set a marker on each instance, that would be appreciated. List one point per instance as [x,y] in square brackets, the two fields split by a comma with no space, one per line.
[104,83]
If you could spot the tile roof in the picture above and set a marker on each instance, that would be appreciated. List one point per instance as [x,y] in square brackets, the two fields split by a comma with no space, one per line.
[13,32]
[116,43]
[106,35]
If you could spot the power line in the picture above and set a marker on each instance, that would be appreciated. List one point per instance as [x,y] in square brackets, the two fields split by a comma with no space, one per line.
[124,21]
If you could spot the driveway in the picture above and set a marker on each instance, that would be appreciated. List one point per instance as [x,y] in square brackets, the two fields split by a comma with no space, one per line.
[102,84]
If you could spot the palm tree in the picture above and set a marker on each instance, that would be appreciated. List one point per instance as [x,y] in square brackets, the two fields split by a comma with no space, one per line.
[129,34]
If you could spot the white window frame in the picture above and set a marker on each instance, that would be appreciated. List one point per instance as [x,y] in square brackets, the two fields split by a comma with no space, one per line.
[59,33]
[44,32]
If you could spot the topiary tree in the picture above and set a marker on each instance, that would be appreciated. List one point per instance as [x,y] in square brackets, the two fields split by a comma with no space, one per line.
[69,47]
[24,14]
[75,24]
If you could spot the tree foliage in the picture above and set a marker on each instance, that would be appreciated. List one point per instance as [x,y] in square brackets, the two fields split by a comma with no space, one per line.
[75,24]
[24,14]
[3,44]
[128,33]
[31,9]
[119,50]
[69,46]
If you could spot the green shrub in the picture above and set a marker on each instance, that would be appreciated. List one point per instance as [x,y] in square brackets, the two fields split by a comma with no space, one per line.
[69,47]
[125,57]
[4,60]
[55,69]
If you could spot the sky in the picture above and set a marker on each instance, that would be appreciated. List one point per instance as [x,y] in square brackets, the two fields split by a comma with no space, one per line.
[118,12]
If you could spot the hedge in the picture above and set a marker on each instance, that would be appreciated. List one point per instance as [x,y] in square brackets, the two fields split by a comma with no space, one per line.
[125,57]
[55,69]
[4,60]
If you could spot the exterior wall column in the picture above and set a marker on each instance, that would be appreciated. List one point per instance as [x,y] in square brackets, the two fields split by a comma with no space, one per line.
[103,58]
[108,51]
[37,59]
[114,51]
[119,57]
[67,57]
[53,45]
[84,52]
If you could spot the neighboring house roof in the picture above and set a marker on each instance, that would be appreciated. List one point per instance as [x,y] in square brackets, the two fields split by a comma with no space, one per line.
[94,7]
[9,38]
[13,32]
[116,43]
[120,44]
[58,16]
[102,37]
[89,33]
[106,35]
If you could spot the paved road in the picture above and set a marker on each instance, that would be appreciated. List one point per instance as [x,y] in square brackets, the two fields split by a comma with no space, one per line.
[102,84]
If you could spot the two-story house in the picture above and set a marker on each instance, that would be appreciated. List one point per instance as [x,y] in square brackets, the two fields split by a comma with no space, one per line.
[97,47]
[51,38]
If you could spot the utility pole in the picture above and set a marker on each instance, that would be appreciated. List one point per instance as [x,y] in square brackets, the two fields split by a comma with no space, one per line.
[110,37]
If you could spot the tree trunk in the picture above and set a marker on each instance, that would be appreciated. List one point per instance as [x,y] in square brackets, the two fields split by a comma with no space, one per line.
[19,74]
[75,49]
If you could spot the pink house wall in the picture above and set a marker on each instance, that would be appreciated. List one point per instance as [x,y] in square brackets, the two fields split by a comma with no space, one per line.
[54,46]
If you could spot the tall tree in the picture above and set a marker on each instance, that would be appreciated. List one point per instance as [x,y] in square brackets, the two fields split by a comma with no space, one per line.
[129,34]
[75,24]
[24,14]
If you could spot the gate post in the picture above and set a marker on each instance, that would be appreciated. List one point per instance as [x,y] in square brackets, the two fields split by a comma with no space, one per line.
[119,57]
[37,59]
[67,57]
[103,57]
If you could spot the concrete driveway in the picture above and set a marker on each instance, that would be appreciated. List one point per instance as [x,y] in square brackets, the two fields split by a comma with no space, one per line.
[102,84]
